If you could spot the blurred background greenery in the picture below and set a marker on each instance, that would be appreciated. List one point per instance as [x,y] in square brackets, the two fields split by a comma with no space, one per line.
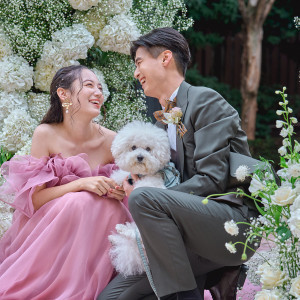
[215,41]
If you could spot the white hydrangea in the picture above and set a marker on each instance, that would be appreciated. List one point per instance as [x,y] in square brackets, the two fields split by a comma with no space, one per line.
[67,45]
[38,105]
[93,20]
[45,71]
[16,74]
[100,76]
[10,102]
[294,222]
[5,48]
[73,41]
[115,7]
[83,4]
[118,33]
[17,130]
[26,149]
[6,214]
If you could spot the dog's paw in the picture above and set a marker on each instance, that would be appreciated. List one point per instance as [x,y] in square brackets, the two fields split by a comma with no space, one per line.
[119,176]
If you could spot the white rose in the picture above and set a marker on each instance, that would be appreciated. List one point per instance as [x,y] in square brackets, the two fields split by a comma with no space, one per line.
[231,227]
[270,277]
[296,204]
[294,222]
[283,196]
[268,295]
[295,287]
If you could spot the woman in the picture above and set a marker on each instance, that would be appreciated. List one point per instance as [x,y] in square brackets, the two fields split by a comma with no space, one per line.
[66,204]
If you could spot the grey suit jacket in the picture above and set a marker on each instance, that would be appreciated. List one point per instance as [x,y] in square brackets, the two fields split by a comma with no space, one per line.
[213,131]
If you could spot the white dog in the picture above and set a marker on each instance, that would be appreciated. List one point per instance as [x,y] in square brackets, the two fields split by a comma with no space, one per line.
[143,149]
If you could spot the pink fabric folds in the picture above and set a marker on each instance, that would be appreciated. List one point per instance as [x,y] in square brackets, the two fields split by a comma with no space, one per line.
[61,250]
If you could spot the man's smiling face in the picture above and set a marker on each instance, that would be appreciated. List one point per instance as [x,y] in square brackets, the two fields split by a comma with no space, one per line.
[149,71]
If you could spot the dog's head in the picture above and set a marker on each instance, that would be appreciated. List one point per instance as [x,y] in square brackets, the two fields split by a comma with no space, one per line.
[141,148]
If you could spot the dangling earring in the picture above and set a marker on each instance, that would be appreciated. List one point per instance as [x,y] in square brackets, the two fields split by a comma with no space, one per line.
[67,105]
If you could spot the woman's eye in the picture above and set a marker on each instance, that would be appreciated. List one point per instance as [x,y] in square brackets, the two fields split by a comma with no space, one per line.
[133,147]
[148,149]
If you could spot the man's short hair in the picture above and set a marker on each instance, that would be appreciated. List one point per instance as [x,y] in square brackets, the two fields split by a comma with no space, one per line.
[161,39]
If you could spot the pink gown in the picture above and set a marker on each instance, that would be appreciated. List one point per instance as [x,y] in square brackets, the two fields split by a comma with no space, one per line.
[61,250]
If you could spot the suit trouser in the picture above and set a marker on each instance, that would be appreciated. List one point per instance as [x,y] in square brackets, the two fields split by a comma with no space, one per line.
[183,238]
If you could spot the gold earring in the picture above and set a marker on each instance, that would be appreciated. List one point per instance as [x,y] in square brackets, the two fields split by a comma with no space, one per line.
[67,105]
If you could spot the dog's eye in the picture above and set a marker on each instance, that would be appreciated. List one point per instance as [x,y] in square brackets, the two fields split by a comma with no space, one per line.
[148,149]
[133,147]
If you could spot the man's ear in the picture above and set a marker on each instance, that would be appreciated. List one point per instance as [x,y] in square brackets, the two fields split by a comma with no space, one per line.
[167,56]
[63,94]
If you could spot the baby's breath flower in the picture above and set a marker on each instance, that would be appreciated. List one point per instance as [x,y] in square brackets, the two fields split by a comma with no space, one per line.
[279,123]
[279,112]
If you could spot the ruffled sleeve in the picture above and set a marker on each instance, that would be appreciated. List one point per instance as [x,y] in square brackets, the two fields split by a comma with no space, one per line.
[24,173]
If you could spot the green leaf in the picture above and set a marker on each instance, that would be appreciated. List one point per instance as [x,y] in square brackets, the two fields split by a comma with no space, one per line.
[284,233]
[277,214]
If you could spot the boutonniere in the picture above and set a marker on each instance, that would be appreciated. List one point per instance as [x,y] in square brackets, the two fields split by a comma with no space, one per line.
[174,117]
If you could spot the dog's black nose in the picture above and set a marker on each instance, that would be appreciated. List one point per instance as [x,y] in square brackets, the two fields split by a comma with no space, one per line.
[140,158]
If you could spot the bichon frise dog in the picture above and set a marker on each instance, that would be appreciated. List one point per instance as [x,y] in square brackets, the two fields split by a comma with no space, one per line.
[141,148]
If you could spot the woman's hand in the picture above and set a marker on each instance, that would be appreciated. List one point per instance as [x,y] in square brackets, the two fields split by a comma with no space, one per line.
[99,185]
[117,193]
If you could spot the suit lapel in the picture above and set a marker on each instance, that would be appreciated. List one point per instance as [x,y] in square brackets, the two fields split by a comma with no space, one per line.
[182,102]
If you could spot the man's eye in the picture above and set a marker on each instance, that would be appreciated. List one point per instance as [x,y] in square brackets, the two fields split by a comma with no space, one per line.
[148,149]
[133,147]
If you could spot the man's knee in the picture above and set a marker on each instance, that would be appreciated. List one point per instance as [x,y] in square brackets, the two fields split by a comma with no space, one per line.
[139,200]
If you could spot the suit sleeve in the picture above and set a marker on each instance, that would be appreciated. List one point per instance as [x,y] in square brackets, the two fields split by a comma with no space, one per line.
[214,125]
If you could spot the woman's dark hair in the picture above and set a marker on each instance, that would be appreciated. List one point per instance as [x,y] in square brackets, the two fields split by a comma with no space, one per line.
[161,39]
[63,78]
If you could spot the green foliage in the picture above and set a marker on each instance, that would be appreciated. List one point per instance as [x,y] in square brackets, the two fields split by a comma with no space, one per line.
[4,156]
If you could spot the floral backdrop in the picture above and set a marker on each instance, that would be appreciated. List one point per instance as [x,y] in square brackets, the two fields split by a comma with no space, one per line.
[39,37]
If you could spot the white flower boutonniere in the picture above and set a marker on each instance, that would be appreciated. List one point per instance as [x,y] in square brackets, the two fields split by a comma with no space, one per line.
[174,117]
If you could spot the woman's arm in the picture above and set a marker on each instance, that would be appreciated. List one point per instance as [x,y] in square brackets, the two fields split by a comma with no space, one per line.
[41,140]
[99,185]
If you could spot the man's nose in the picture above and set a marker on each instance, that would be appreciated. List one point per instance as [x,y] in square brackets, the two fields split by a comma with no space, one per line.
[136,73]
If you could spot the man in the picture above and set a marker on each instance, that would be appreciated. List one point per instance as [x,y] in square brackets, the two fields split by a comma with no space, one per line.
[184,238]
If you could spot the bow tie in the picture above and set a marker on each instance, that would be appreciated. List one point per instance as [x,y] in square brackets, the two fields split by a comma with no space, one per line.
[160,117]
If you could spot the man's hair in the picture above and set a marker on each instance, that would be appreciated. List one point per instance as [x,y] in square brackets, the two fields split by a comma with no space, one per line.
[161,39]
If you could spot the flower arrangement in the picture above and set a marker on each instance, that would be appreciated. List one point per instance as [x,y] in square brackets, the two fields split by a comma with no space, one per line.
[279,205]
[174,116]
[39,37]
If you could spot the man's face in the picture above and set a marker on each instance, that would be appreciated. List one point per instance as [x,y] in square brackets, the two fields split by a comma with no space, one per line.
[149,71]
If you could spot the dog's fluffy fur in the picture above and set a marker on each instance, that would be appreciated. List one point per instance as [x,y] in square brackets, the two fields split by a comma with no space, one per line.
[124,253]
[141,148]
[138,148]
